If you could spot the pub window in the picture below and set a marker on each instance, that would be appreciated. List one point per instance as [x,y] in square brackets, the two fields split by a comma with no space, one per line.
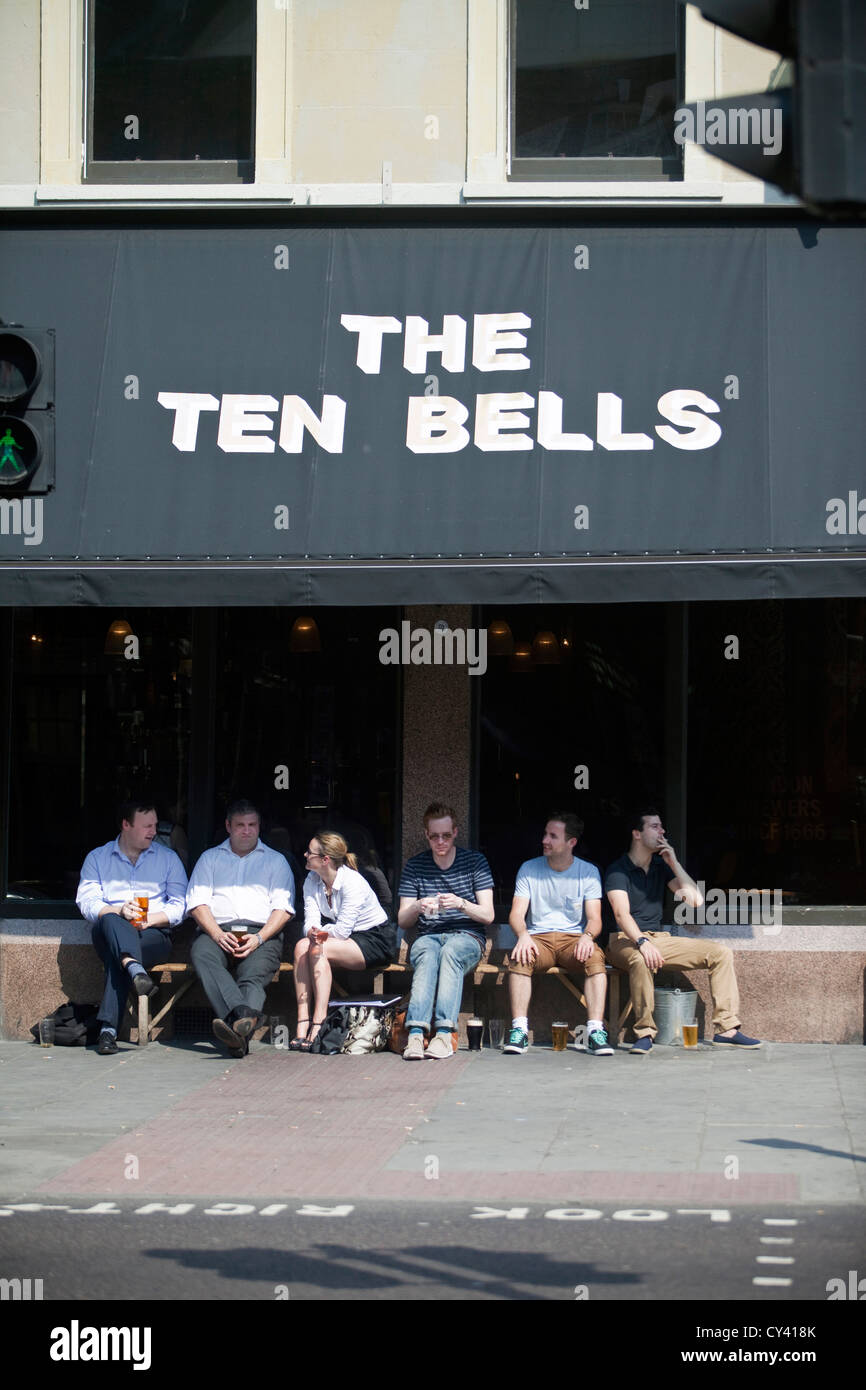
[768,809]
[306,722]
[777,749]
[170,91]
[100,710]
[292,708]
[594,89]
[571,718]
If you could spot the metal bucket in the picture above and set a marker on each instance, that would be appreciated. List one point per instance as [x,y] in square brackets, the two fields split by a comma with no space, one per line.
[673,1008]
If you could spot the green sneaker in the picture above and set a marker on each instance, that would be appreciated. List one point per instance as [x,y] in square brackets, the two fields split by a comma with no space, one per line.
[597,1044]
[518,1041]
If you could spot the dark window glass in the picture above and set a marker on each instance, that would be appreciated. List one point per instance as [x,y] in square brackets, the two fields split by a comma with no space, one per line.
[599,705]
[172,80]
[777,748]
[96,716]
[595,83]
[312,735]
[774,783]
[195,712]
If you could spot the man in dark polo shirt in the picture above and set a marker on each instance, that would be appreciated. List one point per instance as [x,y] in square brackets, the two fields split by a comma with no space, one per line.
[635,886]
[446,892]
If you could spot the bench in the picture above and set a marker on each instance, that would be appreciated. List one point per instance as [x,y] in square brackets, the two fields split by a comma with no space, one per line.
[181,974]
[618,1011]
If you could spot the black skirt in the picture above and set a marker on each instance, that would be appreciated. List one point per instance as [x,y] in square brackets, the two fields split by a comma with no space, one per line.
[378,945]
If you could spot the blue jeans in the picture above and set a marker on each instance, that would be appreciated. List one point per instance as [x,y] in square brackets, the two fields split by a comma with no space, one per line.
[114,938]
[439,961]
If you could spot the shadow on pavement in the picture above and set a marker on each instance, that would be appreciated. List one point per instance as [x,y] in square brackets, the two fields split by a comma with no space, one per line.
[340,1267]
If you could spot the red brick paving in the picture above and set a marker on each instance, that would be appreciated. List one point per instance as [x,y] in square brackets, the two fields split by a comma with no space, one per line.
[327,1128]
[320,1125]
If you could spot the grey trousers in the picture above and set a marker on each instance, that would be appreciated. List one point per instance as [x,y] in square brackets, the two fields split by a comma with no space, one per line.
[245,988]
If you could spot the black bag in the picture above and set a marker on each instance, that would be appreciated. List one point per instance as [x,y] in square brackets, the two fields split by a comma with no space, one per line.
[75,1025]
[333,1032]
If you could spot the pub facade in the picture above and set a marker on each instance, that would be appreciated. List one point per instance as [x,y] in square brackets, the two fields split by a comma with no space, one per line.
[513,460]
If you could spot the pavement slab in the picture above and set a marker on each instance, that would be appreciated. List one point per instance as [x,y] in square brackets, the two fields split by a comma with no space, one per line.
[182,1119]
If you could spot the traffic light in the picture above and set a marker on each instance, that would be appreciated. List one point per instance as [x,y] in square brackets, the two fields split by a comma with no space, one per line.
[26,409]
[808,137]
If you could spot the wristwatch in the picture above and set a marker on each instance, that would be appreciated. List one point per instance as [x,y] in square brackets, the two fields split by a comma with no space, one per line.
[640,941]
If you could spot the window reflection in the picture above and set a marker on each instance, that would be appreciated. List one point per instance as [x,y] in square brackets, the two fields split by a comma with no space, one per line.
[599,82]
[173,80]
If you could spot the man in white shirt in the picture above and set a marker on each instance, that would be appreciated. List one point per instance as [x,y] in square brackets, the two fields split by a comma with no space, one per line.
[241,894]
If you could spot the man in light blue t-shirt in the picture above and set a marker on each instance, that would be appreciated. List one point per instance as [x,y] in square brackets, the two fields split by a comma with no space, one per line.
[556,917]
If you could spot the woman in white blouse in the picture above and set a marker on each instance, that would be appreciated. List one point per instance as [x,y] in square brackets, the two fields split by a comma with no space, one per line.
[345,925]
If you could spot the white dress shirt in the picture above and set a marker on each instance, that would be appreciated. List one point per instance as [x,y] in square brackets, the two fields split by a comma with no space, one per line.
[353,904]
[242,887]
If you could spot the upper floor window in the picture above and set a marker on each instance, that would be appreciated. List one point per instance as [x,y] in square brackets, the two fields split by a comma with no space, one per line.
[594,89]
[170,91]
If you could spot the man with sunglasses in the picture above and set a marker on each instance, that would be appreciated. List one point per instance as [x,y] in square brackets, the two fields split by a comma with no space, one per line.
[446,894]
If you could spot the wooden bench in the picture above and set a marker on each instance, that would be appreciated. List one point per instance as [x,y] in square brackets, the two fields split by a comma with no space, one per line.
[615,979]
[181,975]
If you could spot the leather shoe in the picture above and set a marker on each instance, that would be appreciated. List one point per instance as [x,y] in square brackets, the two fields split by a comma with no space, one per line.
[237,1047]
[107,1045]
[245,1024]
[226,1033]
[144,985]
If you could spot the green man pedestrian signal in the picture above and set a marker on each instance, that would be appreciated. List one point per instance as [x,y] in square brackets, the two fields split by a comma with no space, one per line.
[26,409]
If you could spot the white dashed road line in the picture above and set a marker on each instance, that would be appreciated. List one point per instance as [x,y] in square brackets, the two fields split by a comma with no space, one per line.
[770,1281]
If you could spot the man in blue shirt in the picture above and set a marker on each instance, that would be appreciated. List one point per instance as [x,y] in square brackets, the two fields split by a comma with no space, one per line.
[446,892]
[130,942]
[562,897]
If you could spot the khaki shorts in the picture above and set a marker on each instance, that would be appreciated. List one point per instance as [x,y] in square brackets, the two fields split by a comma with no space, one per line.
[557,948]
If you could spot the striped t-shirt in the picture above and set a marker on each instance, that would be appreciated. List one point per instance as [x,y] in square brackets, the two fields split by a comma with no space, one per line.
[466,877]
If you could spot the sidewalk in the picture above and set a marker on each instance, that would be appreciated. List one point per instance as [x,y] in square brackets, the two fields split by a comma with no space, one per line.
[785,1124]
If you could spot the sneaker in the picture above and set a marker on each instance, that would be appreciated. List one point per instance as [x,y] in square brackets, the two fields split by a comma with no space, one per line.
[107,1045]
[597,1044]
[738,1040]
[518,1041]
[641,1047]
[414,1049]
[440,1047]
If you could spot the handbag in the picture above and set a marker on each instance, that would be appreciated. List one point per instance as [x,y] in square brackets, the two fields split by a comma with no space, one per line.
[357,1027]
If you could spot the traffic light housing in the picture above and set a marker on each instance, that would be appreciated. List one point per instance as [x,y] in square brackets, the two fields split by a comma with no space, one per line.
[26,409]
[822,115]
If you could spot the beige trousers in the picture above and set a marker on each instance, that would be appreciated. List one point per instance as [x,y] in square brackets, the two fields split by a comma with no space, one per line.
[686,954]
